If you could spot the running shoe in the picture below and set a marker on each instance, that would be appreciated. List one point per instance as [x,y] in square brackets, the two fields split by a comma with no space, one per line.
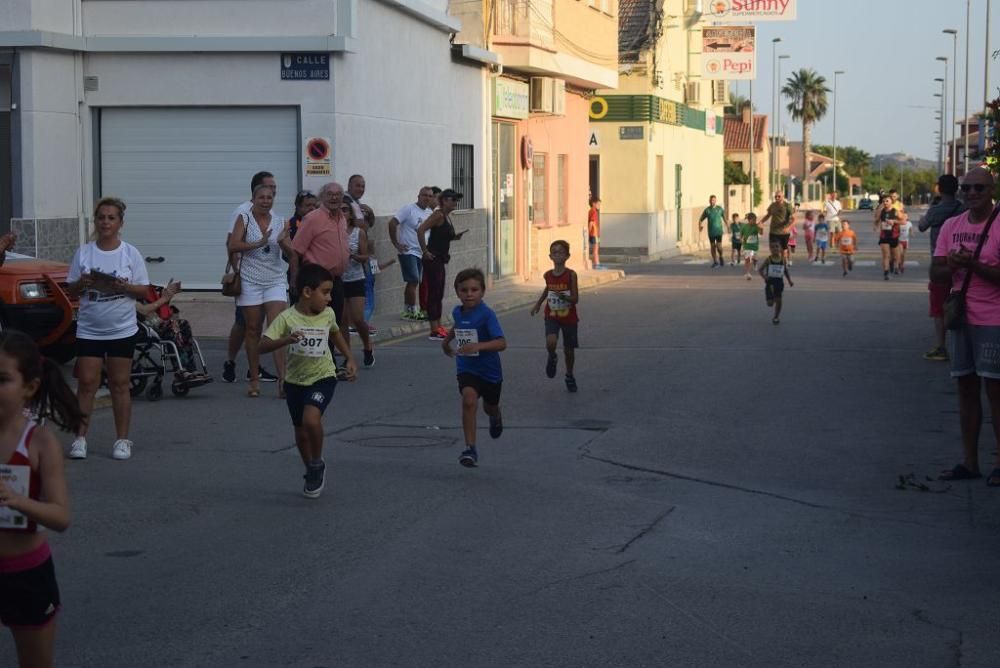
[229,372]
[263,375]
[315,479]
[571,383]
[714,264]
[352,329]
[845,272]
[469,458]
[550,366]
[850,264]
[122,449]
[369,359]
[936,355]
[420,315]
[496,426]
[885,275]
[78,450]
[372,330]
[748,277]
[439,334]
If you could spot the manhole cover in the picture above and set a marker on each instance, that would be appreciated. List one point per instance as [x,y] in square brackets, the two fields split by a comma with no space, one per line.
[403,441]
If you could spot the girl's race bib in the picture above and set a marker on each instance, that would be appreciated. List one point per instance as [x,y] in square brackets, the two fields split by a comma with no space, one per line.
[314,343]
[775,271]
[752,239]
[16,477]
[464,337]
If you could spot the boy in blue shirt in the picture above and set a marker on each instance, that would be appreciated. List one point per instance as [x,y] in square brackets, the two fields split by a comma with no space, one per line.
[479,341]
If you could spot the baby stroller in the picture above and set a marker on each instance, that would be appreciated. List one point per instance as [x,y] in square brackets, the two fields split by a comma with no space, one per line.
[155,357]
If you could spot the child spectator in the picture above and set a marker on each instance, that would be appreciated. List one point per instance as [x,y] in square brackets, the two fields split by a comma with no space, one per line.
[809,231]
[156,311]
[905,226]
[774,271]
[735,239]
[33,494]
[560,297]
[306,329]
[750,232]
[479,341]
[848,246]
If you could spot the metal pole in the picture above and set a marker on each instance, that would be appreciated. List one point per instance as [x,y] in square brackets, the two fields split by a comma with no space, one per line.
[954,101]
[751,146]
[772,176]
[965,114]
[836,73]
[986,77]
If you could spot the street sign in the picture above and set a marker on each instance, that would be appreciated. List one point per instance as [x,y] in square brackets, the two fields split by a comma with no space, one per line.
[729,52]
[742,11]
[631,132]
[305,66]
[318,156]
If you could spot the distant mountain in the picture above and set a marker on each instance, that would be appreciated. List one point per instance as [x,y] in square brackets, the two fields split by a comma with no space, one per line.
[903,161]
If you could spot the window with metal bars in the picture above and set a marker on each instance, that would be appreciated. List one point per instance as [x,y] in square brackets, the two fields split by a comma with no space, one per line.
[463,174]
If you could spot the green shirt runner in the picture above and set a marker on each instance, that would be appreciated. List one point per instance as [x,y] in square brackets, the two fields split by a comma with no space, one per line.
[716,220]
[751,236]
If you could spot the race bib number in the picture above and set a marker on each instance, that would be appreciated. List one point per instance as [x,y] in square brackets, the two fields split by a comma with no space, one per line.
[775,271]
[373,266]
[752,239]
[314,343]
[464,337]
[557,301]
[17,479]
[887,225]
[846,242]
[736,235]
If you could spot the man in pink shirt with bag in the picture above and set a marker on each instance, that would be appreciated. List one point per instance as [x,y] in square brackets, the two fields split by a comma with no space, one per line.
[322,240]
[968,252]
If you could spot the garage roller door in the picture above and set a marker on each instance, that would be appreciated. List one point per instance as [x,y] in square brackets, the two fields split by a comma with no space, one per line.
[182,172]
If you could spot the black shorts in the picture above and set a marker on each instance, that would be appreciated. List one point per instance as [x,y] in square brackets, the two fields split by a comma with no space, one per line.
[489,392]
[780,238]
[553,327]
[29,597]
[773,287]
[319,394]
[737,246]
[888,239]
[715,239]
[592,241]
[107,347]
[354,289]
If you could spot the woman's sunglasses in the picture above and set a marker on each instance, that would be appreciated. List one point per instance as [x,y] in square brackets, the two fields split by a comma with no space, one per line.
[978,187]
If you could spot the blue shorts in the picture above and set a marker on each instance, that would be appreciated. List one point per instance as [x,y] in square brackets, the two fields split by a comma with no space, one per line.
[821,245]
[319,394]
[412,268]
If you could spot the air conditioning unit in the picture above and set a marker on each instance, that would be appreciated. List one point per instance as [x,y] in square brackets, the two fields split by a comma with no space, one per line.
[541,95]
[558,97]
[692,92]
[720,92]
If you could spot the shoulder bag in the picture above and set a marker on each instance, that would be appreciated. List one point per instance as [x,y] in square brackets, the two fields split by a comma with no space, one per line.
[232,283]
[954,306]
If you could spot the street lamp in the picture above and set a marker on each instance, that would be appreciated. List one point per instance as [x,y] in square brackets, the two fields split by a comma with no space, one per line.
[836,73]
[941,95]
[965,113]
[954,95]
[773,176]
[944,110]
[777,180]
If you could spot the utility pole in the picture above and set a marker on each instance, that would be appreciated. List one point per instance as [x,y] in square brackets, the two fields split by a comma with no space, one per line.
[752,193]
[965,114]
[941,131]
[954,96]
[772,177]
[986,60]
[944,115]
[833,187]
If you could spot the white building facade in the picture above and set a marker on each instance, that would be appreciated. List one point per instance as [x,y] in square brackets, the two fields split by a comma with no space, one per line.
[173,105]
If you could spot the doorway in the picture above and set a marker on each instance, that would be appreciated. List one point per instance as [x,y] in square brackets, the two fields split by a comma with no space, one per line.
[504,197]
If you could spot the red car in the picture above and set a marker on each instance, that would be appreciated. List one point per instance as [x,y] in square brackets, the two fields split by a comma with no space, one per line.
[33,299]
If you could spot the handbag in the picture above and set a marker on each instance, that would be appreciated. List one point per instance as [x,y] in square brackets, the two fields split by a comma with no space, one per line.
[232,282]
[953,310]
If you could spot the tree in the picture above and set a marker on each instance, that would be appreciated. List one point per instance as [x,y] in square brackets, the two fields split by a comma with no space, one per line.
[733,174]
[856,161]
[806,91]
[736,104]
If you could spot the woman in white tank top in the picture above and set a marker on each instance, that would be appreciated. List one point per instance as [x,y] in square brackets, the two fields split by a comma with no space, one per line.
[354,286]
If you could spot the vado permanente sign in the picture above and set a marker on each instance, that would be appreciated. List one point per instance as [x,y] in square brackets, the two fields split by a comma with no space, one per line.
[729,52]
[742,11]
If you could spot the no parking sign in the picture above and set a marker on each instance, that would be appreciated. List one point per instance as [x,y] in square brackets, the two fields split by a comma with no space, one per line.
[317,156]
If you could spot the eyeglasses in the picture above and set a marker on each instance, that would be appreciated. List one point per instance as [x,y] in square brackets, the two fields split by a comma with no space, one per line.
[978,187]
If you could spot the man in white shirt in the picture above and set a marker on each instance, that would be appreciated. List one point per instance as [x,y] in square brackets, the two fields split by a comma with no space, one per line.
[403,234]
[238,331]
[832,209]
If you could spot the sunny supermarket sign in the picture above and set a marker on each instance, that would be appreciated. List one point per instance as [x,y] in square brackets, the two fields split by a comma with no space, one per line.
[741,11]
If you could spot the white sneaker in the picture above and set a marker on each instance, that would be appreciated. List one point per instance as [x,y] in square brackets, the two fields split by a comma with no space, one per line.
[122,449]
[78,450]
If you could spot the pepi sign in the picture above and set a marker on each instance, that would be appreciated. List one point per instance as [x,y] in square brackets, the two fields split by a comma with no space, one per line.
[729,52]
[741,11]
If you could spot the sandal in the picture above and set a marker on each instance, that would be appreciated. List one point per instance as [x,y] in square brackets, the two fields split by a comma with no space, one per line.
[253,392]
[993,479]
[959,472]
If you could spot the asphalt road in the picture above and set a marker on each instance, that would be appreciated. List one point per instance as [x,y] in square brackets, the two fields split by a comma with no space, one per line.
[719,493]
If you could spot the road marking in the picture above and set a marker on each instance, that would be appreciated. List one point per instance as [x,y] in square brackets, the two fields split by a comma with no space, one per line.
[698,262]
[864,263]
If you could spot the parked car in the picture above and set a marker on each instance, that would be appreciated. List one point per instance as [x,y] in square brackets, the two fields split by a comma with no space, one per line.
[33,299]
[866,204]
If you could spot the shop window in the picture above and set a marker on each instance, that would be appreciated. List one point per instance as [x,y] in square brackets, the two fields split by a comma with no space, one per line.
[561,179]
[539,191]
[463,174]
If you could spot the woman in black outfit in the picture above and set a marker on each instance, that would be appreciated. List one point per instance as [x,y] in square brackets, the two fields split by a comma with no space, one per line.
[435,257]
[887,226]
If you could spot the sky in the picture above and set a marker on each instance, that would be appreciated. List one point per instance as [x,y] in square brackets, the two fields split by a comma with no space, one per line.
[887,49]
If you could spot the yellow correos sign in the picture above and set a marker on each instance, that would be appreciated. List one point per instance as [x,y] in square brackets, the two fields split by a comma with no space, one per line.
[598,108]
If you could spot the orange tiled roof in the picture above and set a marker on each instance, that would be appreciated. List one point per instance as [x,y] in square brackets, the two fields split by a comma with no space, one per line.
[736,133]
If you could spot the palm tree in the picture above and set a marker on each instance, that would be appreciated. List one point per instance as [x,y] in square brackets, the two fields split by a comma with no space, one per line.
[806,91]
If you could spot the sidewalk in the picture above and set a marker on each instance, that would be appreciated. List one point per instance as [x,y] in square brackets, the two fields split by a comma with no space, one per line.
[211,314]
